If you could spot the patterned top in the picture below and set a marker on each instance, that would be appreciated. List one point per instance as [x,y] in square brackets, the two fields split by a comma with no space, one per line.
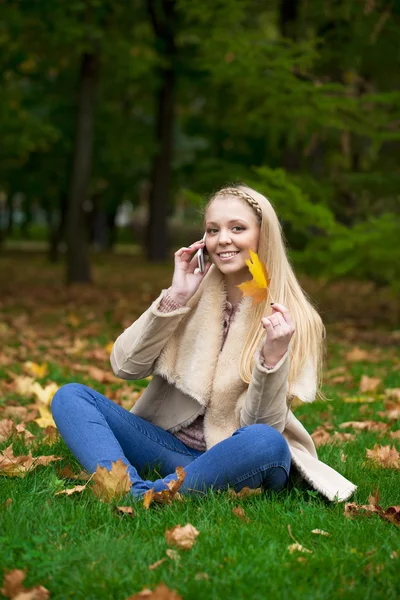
[193,435]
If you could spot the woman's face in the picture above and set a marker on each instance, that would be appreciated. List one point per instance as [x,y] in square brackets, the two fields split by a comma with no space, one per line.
[232,228]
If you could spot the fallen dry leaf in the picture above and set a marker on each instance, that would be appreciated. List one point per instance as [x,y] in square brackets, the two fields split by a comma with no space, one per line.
[46,418]
[6,429]
[384,456]
[23,413]
[76,489]
[245,492]
[365,425]
[239,512]
[257,287]
[369,384]
[126,510]
[13,587]
[182,537]
[67,473]
[35,370]
[359,399]
[161,592]
[320,532]
[157,563]
[357,354]
[298,548]
[111,484]
[393,393]
[21,429]
[18,466]
[391,412]
[44,394]
[166,496]
[322,437]
[391,514]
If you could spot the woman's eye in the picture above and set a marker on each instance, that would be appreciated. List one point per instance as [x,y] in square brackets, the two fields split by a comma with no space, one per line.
[238,227]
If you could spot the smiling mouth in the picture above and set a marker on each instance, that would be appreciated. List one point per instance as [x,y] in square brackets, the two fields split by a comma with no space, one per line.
[227,255]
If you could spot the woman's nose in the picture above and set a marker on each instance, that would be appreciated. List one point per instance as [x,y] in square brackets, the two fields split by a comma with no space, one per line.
[224,237]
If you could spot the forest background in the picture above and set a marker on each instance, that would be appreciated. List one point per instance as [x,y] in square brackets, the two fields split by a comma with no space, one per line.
[158,103]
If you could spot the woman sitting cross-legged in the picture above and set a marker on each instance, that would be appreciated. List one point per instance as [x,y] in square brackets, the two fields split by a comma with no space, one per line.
[225,371]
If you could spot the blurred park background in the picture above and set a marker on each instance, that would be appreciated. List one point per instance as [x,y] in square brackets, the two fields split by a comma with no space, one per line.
[119,118]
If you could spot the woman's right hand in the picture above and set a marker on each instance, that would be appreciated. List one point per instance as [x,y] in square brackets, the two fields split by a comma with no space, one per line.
[186,281]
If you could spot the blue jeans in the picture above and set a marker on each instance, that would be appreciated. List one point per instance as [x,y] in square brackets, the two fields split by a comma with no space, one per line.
[98,431]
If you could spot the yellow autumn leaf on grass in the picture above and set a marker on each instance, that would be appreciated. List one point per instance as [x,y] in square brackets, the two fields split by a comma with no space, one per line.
[35,370]
[257,287]
[45,418]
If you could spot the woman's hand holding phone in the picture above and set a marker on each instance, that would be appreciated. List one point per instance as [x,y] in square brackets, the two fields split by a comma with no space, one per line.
[187,276]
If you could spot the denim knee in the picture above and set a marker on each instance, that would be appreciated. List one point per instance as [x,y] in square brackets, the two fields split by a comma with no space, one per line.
[62,398]
[264,437]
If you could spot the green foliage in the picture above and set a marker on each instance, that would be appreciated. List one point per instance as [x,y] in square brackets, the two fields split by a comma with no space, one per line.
[306,111]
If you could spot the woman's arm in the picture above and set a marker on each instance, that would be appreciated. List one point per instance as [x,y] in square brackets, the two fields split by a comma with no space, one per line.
[265,400]
[136,349]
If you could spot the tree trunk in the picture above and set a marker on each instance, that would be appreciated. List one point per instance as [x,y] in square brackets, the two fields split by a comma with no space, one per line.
[57,230]
[78,266]
[162,16]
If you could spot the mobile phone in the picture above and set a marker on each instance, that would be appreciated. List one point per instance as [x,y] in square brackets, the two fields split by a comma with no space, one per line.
[200,256]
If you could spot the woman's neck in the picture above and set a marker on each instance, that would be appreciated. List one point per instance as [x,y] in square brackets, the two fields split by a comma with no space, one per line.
[233,293]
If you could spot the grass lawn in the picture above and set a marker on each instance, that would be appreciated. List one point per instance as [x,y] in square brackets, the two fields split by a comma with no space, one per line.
[78,546]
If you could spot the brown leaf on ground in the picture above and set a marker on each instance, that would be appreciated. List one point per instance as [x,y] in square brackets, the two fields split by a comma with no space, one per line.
[76,489]
[157,564]
[391,514]
[391,412]
[166,496]
[369,384]
[341,379]
[245,492]
[393,393]
[336,371]
[182,537]
[14,589]
[23,413]
[111,484]
[384,456]
[100,375]
[67,473]
[395,435]
[18,466]
[322,437]
[365,425]
[6,429]
[161,592]
[28,436]
[126,510]
[238,511]
[357,354]
[298,548]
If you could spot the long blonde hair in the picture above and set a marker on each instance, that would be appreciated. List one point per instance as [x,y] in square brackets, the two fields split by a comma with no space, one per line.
[308,340]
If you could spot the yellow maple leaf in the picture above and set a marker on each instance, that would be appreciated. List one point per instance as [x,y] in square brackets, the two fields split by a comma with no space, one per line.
[36,370]
[111,484]
[44,394]
[108,347]
[45,418]
[257,287]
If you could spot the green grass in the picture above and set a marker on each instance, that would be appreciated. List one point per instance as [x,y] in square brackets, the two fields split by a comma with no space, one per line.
[80,547]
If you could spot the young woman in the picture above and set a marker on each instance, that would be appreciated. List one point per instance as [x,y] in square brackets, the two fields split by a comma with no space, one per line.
[224,371]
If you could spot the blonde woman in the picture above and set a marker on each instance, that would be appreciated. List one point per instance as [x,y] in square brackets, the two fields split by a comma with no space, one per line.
[224,371]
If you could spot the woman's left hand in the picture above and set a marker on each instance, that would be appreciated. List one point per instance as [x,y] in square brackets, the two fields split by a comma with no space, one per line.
[280,329]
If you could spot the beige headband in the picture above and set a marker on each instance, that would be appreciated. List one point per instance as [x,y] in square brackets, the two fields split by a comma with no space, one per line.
[231,191]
